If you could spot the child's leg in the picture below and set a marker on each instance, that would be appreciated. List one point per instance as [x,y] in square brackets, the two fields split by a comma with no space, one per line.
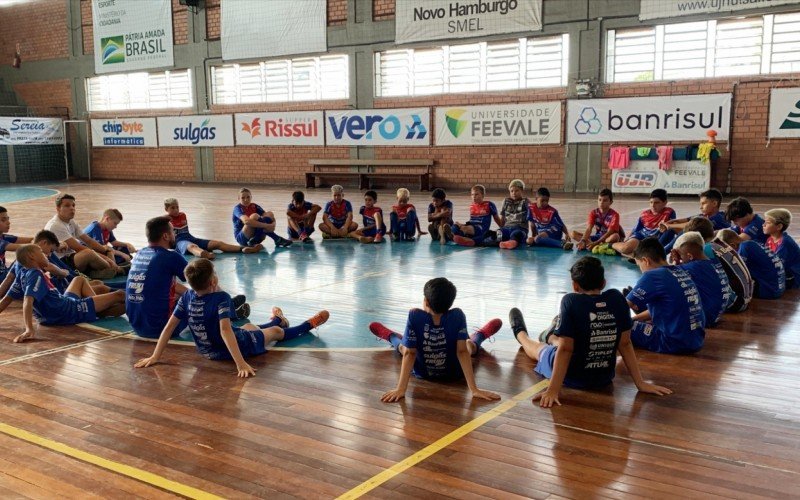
[544,239]
[626,247]
[111,304]
[576,235]
[394,338]
[225,247]
[278,333]
[667,238]
[411,223]
[80,287]
[394,224]
[195,250]
[294,229]
[99,287]
[89,260]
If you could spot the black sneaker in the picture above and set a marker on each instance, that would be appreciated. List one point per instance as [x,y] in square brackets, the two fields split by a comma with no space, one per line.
[243,311]
[545,335]
[517,322]
[283,242]
[238,300]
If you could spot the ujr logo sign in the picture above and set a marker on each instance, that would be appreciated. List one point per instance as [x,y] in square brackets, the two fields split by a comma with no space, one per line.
[396,127]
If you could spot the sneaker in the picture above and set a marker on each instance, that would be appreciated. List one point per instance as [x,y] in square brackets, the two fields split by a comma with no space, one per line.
[283,242]
[380,331]
[509,245]
[378,238]
[243,311]
[517,322]
[464,242]
[545,335]
[490,328]
[318,319]
[238,300]
[568,245]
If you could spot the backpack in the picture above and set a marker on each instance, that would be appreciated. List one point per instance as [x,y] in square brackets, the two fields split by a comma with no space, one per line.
[738,275]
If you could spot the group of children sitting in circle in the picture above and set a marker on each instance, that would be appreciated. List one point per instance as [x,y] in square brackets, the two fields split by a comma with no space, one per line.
[693,270]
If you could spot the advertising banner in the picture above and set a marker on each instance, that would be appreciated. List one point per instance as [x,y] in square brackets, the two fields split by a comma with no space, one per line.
[525,123]
[423,20]
[378,127]
[258,29]
[29,131]
[301,128]
[132,35]
[124,133]
[195,131]
[657,9]
[657,118]
[784,113]
[684,177]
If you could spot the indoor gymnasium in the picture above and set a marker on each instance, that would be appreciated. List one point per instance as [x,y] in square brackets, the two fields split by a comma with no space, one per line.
[399,248]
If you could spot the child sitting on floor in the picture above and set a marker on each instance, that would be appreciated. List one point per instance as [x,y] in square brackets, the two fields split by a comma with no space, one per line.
[374,228]
[514,216]
[476,231]
[765,267]
[209,311]
[748,225]
[252,224]
[337,217]
[102,231]
[580,348]
[404,221]
[545,223]
[186,242]
[604,220]
[649,224]
[435,345]
[440,216]
[301,215]
[779,242]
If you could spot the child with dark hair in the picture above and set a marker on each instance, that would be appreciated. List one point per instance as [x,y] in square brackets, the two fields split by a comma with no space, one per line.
[580,349]
[765,267]
[373,227]
[649,224]
[706,229]
[710,201]
[779,242]
[435,345]
[440,216]
[209,311]
[7,241]
[669,317]
[546,225]
[301,215]
[476,230]
[748,225]
[605,221]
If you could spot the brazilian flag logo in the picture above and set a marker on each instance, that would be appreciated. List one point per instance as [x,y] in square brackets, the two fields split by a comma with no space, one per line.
[793,120]
[454,122]
[113,49]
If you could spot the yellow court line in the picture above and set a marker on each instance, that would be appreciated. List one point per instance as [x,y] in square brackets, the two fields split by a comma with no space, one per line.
[122,469]
[442,443]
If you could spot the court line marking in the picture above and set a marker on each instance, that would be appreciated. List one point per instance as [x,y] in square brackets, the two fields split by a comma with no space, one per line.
[442,442]
[56,192]
[54,350]
[116,467]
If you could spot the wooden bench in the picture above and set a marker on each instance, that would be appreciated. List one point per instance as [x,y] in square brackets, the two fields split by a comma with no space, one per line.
[365,171]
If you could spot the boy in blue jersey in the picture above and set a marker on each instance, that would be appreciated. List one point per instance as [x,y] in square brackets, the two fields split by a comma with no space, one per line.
[477,230]
[440,217]
[337,216]
[649,224]
[779,242]
[404,223]
[514,216]
[605,222]
[669,315]
[301,216]
[186,242]
[252,224]
[546,224]
[710,201]
[748,225]
[102,231]
[435,345]
[79,304]
[708,275]
[765,267]
[580,349]
[8,242]
[209,311]
[374,228]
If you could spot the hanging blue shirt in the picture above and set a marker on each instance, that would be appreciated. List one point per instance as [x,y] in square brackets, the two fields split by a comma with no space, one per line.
[712,283]
[150,288]
[766,268]
[436,345]
[755,230]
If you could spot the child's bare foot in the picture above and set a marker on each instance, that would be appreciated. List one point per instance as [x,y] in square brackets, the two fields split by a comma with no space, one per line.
[277,312]
[23,337]
[254,249]
[208,255]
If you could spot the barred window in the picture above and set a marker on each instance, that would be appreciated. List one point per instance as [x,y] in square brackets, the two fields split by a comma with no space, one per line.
[301,79]
[474,67]
[124,91]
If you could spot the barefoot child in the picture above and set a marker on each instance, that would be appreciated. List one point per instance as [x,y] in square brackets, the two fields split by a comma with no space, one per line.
[337,217]
[301,216]
[440,216]
[373,229]
[404,221]
[604,220]
[186,242]
[252,225]
[514,216]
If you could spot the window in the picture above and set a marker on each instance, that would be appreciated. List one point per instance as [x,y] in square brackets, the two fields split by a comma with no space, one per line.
[302,79]
[171,89]
[705,49]
[475,67]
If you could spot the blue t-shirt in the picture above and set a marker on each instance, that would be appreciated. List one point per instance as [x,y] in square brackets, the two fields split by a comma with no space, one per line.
[755,230]
[337,212]
[239,211]
[96,232]
[436,345]
[789,254]
[203,313]
[595,324]
[712,283]
[480,215]
[718,220]
[545,220]
[61,284]
[674,304]
[4,241]
[150,288]
[448,205]
[766,268]
[49,305]
[15,291]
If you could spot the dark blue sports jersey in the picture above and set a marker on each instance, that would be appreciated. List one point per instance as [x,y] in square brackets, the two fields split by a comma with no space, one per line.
[755,230]
[436,345]
[239,211]
[546,219]
[337,212]
[789,254]
[4,241]
[203,313]
[150,296]
[712,283]
[49,305]
[718,220]
[447,204]
[307,206]
[61,284]
[480,215]
[96,232]
[674,304]
[595,324]
[766,268]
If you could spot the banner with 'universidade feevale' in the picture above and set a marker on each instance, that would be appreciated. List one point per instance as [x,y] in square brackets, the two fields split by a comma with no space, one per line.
[132,35]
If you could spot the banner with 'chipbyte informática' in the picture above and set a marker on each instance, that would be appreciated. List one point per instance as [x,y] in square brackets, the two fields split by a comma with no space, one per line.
[124,133]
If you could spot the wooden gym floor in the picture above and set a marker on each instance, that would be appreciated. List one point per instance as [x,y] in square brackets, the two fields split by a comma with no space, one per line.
[77,420]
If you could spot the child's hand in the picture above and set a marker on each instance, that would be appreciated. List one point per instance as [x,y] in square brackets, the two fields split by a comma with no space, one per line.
[27,334]
[131,248]
[124,256]
[654,389]
[393,396]
[531,240]
[245,370]
[675,256]
[487,395]
[146,362]
[546,399]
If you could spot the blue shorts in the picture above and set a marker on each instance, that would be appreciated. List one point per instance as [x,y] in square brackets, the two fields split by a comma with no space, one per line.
[508,233]
[373,231]
[337,223]
[251,343]
[182,245]
[82,311]
[596,236]
[259,235]
[640,235]
[544,367]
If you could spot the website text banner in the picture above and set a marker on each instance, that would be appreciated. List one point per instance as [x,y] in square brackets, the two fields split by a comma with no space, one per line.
[423,20]
[124,133]
[525,123]
[656,118]
[198,131]
[683,177]
[378,127]
[30,131]
[131,35]
[784,113]
[300,128]
[656,9]
[269,28]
